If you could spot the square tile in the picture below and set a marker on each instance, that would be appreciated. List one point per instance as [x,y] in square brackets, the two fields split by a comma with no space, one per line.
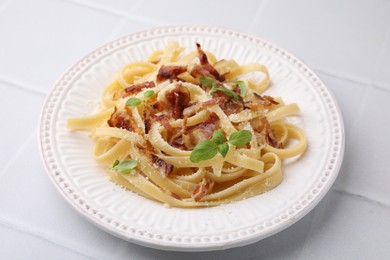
[365,170]
[347,227]
[121,7]
[30,201]
[346,94]
[382,74]
[128,26]
[226,13]
[46,37]
[17,244]
[20,119]
[339,36]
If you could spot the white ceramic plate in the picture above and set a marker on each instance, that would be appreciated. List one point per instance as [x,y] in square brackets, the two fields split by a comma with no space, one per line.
[70,165]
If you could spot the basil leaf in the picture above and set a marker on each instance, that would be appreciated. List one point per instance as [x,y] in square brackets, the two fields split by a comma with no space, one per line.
[223,149]
[240,138]
[148,94]
[207,82]
[125,166]
[203,151]
[227,92]
[133,102]
[218,137]
[241,84]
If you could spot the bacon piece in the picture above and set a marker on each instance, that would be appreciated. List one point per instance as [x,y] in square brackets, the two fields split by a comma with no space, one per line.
[152,113]
[204,62]
[175,196]
[161,164]
[147,122]
[202,189]
[202,55]
[175,137]
[164,120]
[232,108]
[169,72]
[268,134]
[159,106]
[228,104]
[202,131]
[214,101]
[150,117]
[179,99]
[134,89]
[198,71]
[209,125]
[266,101]
[119,119]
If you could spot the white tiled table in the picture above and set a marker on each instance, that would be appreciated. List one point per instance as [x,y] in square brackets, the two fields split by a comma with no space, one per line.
[346,42]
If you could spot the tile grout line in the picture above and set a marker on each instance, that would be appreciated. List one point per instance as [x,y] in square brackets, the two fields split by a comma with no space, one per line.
[350,79]
[98,7]
[380,54]
[258,13]
[18,153]
[19,228]
[133,17]
[362,197]
[22,87]
[115,31]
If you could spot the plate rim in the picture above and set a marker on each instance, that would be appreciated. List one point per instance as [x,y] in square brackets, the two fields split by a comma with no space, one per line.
[113,228]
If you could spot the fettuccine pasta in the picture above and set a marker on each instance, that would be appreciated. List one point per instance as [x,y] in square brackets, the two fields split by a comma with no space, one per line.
[189,130]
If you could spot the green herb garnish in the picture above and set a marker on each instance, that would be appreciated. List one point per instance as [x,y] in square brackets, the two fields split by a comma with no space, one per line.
[223,149]
[148,94]
[133,102]
[218,137]
[226,91]
[207,149]
[125,166]
[241,84]
[240,138]
[203,151]
[207,82]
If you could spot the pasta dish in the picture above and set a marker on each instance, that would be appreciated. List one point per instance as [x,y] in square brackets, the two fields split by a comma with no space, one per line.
[188,130]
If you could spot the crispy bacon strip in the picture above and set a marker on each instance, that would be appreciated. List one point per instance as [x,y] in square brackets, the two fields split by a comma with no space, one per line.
[150,117]
[163,165]
[202,131]
[119,120]
[175,196]
[198,71]
[204,62]
[134,89]
[214,101]
[179,99]
[227,104]
[202,189]
[266,100]
[269,134]
[152,113]
[175,137]
[169,72]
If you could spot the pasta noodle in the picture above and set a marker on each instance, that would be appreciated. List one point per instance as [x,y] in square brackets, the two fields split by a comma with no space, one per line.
[191,130]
